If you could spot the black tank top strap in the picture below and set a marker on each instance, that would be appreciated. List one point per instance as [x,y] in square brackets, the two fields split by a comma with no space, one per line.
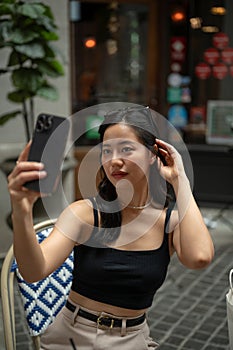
[91,241]
[95,213]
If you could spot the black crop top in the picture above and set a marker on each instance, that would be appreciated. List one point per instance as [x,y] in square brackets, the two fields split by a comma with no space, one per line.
[123,278]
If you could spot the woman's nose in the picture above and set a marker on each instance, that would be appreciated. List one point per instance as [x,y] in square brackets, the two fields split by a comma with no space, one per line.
[116,158]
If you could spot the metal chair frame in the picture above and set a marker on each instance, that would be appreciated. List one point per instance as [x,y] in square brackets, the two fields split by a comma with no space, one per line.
[7,293]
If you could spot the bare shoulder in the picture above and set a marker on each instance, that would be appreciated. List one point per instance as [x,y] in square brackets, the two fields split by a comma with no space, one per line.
[82,209]
[77,220]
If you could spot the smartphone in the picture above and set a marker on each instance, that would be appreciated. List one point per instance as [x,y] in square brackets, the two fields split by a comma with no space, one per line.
[48,146]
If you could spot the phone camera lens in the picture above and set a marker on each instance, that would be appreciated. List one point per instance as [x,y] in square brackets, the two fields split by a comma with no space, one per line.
[48,122]
[40,125]
[44,123]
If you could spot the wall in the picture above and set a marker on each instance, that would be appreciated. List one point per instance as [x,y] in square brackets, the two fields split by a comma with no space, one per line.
[12,136]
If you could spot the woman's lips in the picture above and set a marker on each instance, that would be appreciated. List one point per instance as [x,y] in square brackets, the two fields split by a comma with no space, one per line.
[119,175]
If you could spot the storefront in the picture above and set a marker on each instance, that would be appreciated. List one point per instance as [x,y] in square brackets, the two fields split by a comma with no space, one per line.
[176,57]
[114,52]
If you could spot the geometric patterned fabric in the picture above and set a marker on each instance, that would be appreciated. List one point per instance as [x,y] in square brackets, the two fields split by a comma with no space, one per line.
[43,300]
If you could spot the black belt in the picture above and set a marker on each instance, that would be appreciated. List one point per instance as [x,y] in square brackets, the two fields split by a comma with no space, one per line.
[106,320]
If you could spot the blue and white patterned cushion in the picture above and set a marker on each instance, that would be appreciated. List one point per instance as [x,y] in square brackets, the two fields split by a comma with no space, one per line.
[44,299]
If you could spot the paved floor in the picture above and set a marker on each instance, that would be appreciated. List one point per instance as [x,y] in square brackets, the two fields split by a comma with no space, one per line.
[189,311]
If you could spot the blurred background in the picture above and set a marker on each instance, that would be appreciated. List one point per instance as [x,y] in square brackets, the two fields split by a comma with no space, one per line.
[175,56]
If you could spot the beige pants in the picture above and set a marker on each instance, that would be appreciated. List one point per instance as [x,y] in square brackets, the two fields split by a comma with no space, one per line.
[86,335]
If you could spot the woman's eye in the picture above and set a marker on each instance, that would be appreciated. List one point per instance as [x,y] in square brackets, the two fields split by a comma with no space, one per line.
[106,151]
[127,149]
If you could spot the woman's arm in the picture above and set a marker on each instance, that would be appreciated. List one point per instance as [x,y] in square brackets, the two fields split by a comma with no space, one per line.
[191,238]
[35,260]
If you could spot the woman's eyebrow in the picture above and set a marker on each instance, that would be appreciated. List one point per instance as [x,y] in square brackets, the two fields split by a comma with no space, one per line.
[123,142]
[127,142]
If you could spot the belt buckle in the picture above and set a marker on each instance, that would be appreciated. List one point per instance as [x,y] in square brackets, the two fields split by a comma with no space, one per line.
[100,318]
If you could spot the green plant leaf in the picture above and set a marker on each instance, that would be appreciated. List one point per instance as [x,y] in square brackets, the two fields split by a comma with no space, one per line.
[27,30]
[32,50]
[48,12]
[49,51]
[18,96]
[8,1]
[7,116]
[33,10]
[6,9]
[27,79]
[22,36]
[5,32]
[48,92]
[48,36]
[16,58]
[52,68]
[47,23]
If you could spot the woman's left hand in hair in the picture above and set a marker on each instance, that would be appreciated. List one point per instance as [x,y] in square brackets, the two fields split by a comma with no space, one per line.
[171,165]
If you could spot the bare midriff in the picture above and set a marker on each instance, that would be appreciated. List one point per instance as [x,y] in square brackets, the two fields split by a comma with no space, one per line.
[102,307]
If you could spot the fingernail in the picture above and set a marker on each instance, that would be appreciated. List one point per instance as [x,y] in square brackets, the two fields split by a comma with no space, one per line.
[42,173]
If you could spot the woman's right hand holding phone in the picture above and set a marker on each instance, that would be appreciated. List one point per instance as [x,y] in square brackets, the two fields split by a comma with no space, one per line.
[23,199]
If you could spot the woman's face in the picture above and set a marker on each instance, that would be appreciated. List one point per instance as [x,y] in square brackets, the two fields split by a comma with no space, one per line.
[124,156]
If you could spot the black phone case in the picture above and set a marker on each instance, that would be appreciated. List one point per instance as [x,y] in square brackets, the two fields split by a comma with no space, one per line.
[48,146]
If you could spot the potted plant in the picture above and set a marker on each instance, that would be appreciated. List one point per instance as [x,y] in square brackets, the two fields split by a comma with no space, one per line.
[27,31]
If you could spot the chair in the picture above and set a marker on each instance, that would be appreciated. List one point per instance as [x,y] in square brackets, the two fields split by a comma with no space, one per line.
[41,300]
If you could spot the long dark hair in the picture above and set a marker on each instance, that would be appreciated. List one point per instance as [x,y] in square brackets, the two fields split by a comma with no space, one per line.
[141,121]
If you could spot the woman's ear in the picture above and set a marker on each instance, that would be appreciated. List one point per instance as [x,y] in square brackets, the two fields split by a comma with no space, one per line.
[153,158]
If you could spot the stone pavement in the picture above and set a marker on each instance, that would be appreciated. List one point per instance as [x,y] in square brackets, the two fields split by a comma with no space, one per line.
[189,311]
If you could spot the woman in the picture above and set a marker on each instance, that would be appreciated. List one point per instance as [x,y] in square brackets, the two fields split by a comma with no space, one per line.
[122,239]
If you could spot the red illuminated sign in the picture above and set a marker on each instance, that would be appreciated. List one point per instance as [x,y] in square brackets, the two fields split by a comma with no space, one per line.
[203,70]
[227,55]
[220,40]
[220,70]
[178,49]
[211,55]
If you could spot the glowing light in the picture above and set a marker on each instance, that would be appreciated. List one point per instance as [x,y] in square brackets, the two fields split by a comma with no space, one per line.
[90,43]
[178,16]
[218,10]
[195,22]
[210,29]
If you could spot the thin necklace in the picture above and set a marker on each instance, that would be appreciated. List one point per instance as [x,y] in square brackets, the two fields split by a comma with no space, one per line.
[140,207]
